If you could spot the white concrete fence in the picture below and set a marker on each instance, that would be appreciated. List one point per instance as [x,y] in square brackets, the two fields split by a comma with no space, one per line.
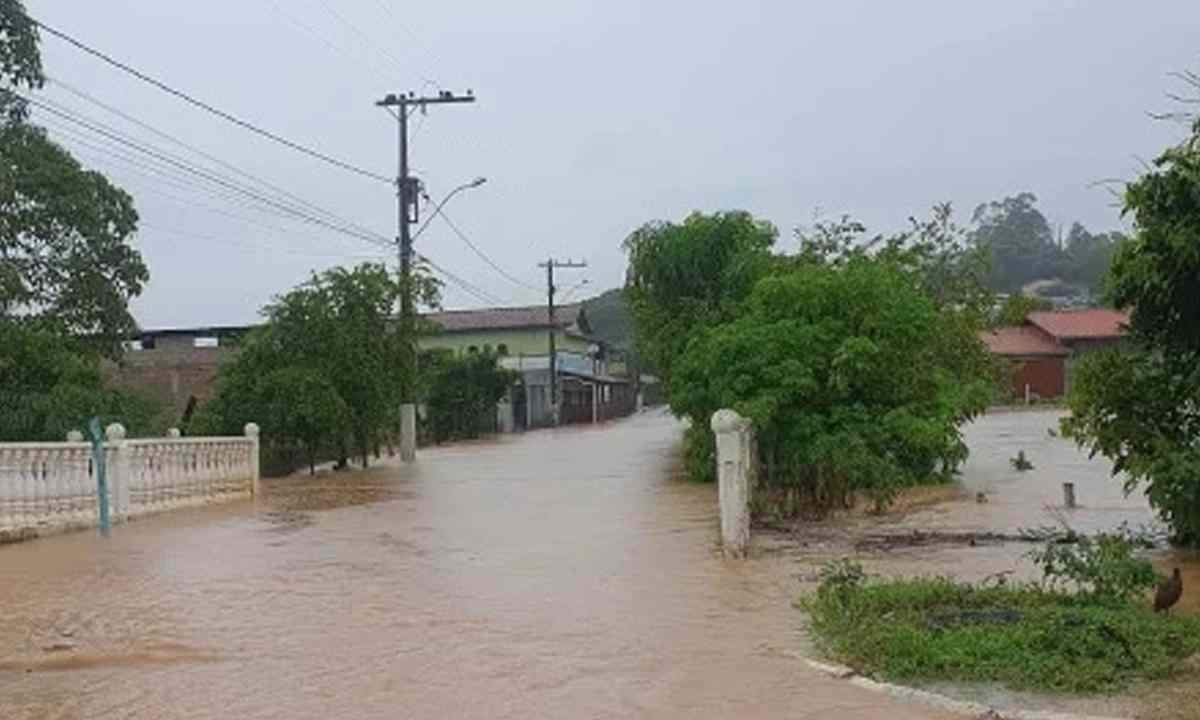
[52,487]
[736,475]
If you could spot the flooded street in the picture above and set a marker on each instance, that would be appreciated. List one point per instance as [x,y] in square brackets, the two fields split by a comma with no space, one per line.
[556,574]
[1031,500]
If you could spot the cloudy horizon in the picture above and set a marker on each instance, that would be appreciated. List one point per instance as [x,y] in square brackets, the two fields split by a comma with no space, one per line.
[595,118]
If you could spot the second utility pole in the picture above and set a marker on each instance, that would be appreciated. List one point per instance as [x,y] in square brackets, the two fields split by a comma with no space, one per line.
[550,264]
[407,194]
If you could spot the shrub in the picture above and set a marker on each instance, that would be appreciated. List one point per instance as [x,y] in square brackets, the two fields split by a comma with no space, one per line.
[853,377]
[1102,566]
[1022,636]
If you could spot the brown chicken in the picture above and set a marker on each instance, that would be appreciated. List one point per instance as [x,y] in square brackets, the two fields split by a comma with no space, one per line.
[1168,593]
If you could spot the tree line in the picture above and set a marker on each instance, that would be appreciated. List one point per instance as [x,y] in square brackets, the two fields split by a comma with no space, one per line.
[1022,248]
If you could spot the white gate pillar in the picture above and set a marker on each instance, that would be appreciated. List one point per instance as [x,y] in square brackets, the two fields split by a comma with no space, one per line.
[735,478]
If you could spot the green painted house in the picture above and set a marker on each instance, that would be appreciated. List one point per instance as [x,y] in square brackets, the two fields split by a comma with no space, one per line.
[520,336]
[510,332]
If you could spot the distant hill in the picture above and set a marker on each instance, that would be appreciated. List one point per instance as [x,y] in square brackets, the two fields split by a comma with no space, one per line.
[610,320]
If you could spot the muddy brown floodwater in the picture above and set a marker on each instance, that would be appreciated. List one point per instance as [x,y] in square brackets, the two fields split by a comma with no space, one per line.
[565,573]
[1014,501]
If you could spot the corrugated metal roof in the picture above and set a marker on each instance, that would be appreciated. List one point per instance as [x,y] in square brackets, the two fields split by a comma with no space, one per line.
[1090,324]
[512,318]
[1020,340]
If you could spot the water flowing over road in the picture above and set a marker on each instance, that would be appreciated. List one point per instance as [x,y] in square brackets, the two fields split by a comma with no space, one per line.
[565,573]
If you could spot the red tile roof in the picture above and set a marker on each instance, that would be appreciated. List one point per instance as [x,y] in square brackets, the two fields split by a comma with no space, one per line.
[1091,324]
[513,318]
[1020,340]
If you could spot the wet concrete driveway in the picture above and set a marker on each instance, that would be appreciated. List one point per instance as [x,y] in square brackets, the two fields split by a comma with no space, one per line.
[566,574]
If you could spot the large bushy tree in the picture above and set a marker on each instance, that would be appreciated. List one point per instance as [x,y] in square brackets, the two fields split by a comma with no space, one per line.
[687,275]
[854,378]
[1088,256]
[1019,241]
[334,336]
[856,357]
[1140,405]
[65,259]
[67,270]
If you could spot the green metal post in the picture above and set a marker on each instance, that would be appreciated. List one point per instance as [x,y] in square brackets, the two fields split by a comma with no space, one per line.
[99,463]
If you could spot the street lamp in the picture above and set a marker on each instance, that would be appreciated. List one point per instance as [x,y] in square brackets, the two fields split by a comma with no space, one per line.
[437,209]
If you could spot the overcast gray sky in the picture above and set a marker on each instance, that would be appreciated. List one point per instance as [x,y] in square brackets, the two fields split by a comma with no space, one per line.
[595,117]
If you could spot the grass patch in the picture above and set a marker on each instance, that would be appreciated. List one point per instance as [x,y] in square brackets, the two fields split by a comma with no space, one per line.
[1027,637]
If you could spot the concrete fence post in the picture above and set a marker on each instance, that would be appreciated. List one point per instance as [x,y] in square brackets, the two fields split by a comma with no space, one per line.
[119,471]
[252,432]
[408,432]
[735,478]
[1069,495]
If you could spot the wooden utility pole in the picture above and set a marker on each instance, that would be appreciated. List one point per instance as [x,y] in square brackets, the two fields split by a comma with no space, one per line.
[407,194]
[550,265]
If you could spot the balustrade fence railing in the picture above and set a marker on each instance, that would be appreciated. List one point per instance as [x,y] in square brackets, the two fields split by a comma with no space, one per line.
[53,487]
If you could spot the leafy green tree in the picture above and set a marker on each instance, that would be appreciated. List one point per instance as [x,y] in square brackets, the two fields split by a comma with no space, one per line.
[854,378]
[48,386]
[65,258]
[1088,257]
[67,263]
[67,271]
[1017,307]
[336,329]
[462,395]
[304,407]
[1019,241]
[1140,405]
[20,61]
[325,372]
[952,271]
[687,275]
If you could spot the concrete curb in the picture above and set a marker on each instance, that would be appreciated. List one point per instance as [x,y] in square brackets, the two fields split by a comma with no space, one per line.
[937,700]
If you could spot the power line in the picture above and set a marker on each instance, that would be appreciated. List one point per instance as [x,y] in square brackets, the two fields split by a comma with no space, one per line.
[209,108]
[184,166]
[156,167]
[474,290]
[319,37]
[482,255]
[365,38]
[428,81]
[146,171]
[244,244]
[163,172]
[208,156]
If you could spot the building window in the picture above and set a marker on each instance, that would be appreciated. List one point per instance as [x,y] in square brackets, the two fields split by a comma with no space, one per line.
[502,350]
[205,342]
[473,349]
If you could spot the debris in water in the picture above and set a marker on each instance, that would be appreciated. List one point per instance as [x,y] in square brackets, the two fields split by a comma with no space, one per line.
[58,647]
[1020,462]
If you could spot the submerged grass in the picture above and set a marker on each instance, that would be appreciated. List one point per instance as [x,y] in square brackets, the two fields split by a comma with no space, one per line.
[1026,637]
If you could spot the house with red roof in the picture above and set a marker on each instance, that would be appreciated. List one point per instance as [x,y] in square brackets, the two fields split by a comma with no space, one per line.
[1043,350]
